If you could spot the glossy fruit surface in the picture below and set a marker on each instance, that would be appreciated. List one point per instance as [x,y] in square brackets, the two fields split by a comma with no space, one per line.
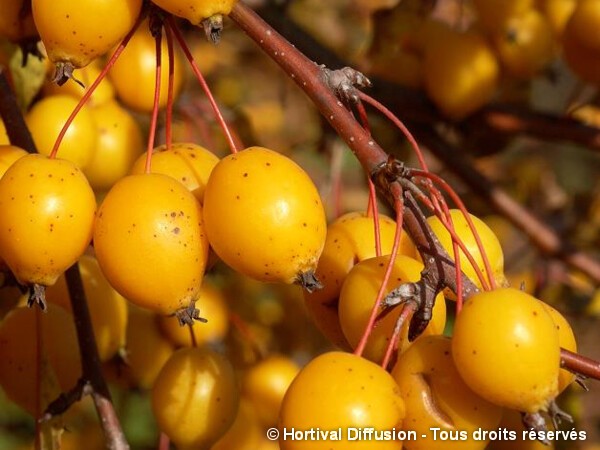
[196,11]
[119,144]
[19,357]
[188,163]
[506,348]
[566,340]
[150,242]
[195,397]
[461,73]
[8,155]
[435,396]
[45,121]
[264,216]
[265,385]
[133,75]
[47,217]
[359,292]
[108,309]
[350,239]
[363,395]
[490,243]
[78,32]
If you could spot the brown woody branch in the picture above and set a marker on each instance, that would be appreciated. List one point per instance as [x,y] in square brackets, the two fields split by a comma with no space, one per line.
[542,235]
[414,106]
[498,120]
[372,157]
[92,381]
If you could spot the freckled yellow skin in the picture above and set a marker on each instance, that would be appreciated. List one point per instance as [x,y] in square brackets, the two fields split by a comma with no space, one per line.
[435,396]
[188,163]
[8,155]
[196,10]
[264,216]
[195,397]
[47,217]
[341,390]
[350,239]
[359,293]
[506,348]
[150,242]
[79,31]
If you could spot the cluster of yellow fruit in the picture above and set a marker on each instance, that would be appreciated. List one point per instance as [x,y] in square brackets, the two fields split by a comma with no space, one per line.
[503,355]
[262,215]
[460,67]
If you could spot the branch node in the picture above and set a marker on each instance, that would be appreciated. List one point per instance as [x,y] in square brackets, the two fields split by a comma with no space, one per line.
[66,399]
[402,294]
[344,82]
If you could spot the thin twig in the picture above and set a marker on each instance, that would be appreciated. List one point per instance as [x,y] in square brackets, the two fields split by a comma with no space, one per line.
[91,368]
[371,156]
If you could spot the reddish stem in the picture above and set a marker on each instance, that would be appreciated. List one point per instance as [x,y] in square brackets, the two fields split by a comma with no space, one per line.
[155,107]
[439,181]
[164,443]
[360,348]
[405,315]
[455,254]
[171,89]
[372,206]
[85,97]
[188,54]
[398,123]
[242,327]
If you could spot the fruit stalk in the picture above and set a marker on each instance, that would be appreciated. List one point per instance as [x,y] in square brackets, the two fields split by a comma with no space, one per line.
[496,119]
[309,78]
[90,362]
